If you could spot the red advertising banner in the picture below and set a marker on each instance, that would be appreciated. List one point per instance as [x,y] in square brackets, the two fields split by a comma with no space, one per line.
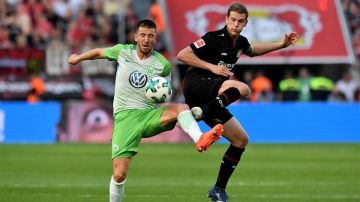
[21,61]
[320,23]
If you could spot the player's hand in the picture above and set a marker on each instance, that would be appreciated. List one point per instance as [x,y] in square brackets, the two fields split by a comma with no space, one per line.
[290,39]
[221,70]
[73,59]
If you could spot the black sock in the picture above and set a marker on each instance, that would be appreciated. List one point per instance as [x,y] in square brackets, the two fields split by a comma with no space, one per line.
[229,96]
[228,164]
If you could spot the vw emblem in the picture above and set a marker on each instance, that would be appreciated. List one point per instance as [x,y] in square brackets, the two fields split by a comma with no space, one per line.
[137,79]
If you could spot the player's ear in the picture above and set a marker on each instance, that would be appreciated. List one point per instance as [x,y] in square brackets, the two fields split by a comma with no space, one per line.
[135,36]
[155,38]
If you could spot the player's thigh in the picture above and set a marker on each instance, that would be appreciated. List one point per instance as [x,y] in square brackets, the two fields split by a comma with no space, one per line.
[235,133]
[200,89]
[130,126]
[171,113]
[152,122]
[127,133]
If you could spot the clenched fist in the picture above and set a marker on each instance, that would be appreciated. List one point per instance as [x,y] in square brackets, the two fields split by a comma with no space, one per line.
[73,59]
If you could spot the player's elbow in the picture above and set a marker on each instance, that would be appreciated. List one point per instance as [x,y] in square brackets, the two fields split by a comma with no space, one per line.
[254,51]
[252,54]
[183,54]
[180,55]
[99,53]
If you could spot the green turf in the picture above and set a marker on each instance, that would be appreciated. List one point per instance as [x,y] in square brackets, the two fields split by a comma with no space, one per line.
[175,172]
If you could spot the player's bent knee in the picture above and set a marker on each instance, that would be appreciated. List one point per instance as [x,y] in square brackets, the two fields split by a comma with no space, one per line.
[245,140]
[182,107]
[119,177]
[244,89]
[241,141]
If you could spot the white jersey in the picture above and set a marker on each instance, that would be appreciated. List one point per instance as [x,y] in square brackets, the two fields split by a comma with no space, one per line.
[132,75]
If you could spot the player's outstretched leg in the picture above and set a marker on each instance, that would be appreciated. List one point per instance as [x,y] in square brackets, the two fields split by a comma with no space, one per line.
[208,138]
[217,195]
[229,96]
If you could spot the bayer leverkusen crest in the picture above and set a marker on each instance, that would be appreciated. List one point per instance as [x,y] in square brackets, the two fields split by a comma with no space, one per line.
[269,21]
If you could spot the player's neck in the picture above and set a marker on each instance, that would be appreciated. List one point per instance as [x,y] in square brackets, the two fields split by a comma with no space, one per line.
[142,55]
[234,38]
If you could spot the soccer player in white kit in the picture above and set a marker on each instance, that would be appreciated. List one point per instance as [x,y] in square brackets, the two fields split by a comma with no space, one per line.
[135,116]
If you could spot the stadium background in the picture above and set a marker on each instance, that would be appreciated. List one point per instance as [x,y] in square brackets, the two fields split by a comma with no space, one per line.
[44,100]
[36,37]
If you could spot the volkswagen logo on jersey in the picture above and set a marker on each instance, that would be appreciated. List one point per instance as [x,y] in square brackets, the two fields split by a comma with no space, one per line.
[137,79]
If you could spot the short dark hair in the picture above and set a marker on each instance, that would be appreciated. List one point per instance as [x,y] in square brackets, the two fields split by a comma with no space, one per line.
[239,8]
[146,23]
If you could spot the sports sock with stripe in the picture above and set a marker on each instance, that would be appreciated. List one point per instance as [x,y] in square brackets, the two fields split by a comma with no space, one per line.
[229,96]
[228,164]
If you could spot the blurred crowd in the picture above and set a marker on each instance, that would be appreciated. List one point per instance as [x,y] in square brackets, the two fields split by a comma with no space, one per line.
[61,27]
[36,23]
[352,12]
[302,86]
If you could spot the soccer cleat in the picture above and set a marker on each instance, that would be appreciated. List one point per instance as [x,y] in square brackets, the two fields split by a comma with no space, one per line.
[217,195]
[210,137]
[197,112]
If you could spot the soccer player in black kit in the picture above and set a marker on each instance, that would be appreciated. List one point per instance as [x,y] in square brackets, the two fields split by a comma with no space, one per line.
[208,89]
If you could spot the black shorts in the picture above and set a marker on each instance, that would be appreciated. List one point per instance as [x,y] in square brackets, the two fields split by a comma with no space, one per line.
[201,88]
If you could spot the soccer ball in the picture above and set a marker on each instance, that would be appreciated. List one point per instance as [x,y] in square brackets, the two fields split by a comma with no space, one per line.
[158,89]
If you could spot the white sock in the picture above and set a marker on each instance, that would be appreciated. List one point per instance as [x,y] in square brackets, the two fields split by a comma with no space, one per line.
[189,125]
[116,190]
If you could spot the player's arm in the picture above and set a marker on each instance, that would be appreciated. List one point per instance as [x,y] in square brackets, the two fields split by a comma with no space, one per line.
[97,53]
[188,56]
[263,48]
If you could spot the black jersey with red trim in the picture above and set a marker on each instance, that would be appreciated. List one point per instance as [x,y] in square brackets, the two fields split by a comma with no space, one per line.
[218,48]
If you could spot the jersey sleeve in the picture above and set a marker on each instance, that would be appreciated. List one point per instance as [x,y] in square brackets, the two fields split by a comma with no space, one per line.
[167,70]
[112,53]
[205,45]
[164,62]
[247,46]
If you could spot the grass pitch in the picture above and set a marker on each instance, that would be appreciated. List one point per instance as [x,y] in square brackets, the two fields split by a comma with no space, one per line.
[176,172]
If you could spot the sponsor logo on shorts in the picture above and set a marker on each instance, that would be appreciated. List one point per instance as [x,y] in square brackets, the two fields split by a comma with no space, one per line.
[220,102]
[115,147]
[216,120]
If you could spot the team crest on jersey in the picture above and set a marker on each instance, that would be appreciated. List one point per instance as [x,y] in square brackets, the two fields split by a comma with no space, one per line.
[199,43]
[137,79]
[149,71]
